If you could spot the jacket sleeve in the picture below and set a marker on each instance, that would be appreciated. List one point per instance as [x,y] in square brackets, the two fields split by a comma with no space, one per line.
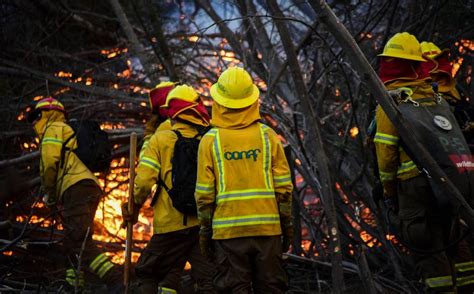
[151,127]
[51,146]
[281,179]
[280,169]
[148,171]
[146,142]
[205,193]
[386,145]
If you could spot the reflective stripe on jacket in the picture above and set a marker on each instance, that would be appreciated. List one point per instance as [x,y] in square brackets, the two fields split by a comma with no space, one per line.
[239,173]
[56,177]
[156,161]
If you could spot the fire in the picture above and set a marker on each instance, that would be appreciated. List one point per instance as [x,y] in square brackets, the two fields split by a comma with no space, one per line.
[193,39]
[456,66]
[7,253]
[111,126]
[63,74]
[369,240]
[108,217]
[113,52]
[354,131]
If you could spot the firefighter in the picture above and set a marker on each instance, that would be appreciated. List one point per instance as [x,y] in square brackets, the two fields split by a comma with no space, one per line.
[243,191]
[425,225]
[176,236]
[159,119]
[439,71]
[73,187]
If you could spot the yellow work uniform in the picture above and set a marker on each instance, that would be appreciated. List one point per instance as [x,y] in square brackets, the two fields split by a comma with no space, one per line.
[164,126]
[393,161]
[242,173]
[56,176]
[156,162]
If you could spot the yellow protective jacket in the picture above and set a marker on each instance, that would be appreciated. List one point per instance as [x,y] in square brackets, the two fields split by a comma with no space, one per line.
[393,162]
[242,175]
[156,162]
[56,176]
[150,130]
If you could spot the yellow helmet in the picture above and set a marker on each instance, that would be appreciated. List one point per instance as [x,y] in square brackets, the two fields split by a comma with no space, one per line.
[235,89]
[403,45]
[182,92]
[430,49]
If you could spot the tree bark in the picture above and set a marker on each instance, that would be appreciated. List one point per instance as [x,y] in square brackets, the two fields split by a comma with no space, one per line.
[327,187]
[136,47]
[162,43]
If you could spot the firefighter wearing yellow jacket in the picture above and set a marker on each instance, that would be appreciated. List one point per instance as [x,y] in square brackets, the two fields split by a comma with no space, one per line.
[423,225]
[175,241]
[71,185]
[243,191]
[159,118]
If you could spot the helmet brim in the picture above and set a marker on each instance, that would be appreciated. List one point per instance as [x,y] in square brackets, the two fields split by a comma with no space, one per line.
[404,56]
[233,103]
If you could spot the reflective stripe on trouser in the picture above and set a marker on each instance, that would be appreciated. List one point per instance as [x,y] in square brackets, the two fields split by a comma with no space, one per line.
[164,290]
[439,282]
[71,278]
[465,274]
[464,266]
[446,281]
[101,265]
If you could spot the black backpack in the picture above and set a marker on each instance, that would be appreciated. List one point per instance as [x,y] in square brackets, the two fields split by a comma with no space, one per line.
[93,146]
[183,175]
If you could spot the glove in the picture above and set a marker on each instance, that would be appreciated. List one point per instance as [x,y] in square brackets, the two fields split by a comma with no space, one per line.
[287,238]
[205,242]
[130,216]
[284,208]
[48,201]
[391,204]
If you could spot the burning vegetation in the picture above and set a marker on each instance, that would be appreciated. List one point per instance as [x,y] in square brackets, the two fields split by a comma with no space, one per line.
[79,58]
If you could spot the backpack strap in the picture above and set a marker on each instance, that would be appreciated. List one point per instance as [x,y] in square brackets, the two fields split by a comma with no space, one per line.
[178,133]
[181,136]
[161,184]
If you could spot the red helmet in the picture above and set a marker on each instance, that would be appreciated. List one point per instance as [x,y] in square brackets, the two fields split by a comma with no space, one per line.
[45,104]
[158,96]
[49,104]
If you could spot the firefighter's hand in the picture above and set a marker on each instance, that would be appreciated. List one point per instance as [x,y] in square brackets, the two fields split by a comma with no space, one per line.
[130,216]
[205,242]
[287,238]
[48,201]
[391,204]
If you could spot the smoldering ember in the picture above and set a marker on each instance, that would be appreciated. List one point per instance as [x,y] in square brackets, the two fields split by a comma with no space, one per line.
[247,146]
